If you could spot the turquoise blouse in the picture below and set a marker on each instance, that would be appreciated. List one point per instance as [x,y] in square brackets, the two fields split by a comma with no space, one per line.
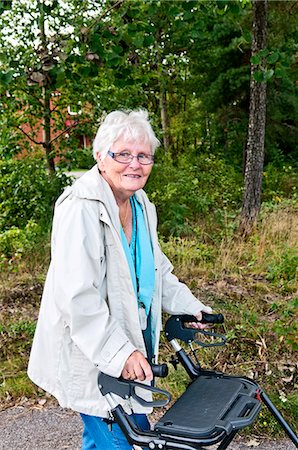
[140,259]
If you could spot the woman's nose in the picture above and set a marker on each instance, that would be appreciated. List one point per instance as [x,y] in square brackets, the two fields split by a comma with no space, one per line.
[134,163]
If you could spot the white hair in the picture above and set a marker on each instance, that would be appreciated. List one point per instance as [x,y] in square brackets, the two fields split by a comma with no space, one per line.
[133,126]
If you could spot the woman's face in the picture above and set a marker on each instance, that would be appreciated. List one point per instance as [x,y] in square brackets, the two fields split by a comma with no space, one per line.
[125,179]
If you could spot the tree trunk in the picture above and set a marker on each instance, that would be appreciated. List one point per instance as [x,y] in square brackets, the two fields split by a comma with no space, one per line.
[256,127]
[46,99]
[47,131]
[165,122]
[163,102]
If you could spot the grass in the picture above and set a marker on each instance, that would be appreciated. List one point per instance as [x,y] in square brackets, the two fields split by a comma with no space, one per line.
[253,282]
[16,338]
[21,285]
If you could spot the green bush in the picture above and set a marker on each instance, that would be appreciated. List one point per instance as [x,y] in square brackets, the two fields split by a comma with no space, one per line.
[286,269]
[80,158]
[191,190]
[279,183]
[9,142]
[16,242]
[27,192]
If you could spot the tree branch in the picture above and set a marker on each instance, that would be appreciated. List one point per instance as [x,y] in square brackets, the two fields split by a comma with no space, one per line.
[71,127]
[64,131]
[98,19]
[28,136]
[54,108]
[32,95]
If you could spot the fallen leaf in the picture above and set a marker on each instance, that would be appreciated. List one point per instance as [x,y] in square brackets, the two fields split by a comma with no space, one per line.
[253,443]
[282,396]
[288,379]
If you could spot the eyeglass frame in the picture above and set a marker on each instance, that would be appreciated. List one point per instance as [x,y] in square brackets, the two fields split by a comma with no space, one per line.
[115,154]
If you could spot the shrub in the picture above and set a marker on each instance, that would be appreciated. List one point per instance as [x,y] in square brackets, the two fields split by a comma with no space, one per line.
[15,241]
[286,268]
[191,190]
[27,192]
[80,158]
[279,183]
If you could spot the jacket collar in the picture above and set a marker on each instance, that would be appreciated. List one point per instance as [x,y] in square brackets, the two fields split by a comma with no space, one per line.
[93,186]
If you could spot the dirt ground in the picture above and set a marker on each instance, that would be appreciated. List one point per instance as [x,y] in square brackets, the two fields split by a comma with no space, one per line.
[54,428]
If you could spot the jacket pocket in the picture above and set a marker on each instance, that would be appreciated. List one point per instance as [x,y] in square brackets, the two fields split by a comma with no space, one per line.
[112,346]
[82,375]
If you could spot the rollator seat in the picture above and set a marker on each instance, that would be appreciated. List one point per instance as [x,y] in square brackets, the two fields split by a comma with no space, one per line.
[210,406]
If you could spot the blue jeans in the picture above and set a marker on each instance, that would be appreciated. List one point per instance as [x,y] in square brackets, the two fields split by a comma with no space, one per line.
[98,435]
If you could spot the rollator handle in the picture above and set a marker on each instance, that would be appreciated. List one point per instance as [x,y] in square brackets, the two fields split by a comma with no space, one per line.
[159,370]
[127,388]
[206,318]
[212,318]
[175,329]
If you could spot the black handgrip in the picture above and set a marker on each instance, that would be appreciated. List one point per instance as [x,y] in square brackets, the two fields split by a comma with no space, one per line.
[159,370]
[206,318]
[212,318]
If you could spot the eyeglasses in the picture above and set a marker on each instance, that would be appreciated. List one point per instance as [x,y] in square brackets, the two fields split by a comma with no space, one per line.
[126,157]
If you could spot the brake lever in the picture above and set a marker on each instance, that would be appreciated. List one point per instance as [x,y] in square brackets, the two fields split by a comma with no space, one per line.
[222,338]
[175,329]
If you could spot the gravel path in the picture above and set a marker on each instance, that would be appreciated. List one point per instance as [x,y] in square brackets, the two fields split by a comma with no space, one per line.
[54,428]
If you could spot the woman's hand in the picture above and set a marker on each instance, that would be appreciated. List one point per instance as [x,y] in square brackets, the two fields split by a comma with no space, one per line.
[199,325]
[137,368]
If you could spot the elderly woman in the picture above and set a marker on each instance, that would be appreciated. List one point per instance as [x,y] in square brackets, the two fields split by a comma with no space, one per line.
[108,282]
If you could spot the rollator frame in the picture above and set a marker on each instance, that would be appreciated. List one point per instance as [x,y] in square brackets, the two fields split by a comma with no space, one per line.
[221,404]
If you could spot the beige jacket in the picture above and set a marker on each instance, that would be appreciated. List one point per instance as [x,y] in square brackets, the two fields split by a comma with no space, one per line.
[88,320]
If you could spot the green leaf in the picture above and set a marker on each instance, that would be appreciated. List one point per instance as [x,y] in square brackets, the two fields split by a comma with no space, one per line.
[256,59]
[264,52]
[153,9]
[188,16]
[96,45]
[132,29]
[5,4]
[273,58]
[259,76]
[247,35]
[118,50]
[173,10]
[113,59]
[138,40]
[188,5]
[6,77]
[48,8]
[131,11]
[196,33]
[148,40]
[268,74]
[234,8]
[279,72]
[220,11]
[222,4]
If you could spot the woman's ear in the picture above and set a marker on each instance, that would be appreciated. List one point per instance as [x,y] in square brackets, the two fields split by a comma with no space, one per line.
[100,161]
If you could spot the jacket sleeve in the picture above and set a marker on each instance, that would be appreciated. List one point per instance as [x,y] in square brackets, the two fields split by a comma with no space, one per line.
[176,296]
[79,273]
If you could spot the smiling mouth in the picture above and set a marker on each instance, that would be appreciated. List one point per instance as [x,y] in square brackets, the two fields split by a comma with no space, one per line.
[132,176]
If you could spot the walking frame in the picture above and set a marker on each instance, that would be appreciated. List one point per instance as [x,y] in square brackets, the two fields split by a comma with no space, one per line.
[213,408]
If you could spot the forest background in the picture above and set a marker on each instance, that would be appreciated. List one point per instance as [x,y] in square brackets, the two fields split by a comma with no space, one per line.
[189,63]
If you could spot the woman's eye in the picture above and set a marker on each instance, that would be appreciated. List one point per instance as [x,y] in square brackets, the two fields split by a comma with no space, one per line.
[124,154]
[142,156]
